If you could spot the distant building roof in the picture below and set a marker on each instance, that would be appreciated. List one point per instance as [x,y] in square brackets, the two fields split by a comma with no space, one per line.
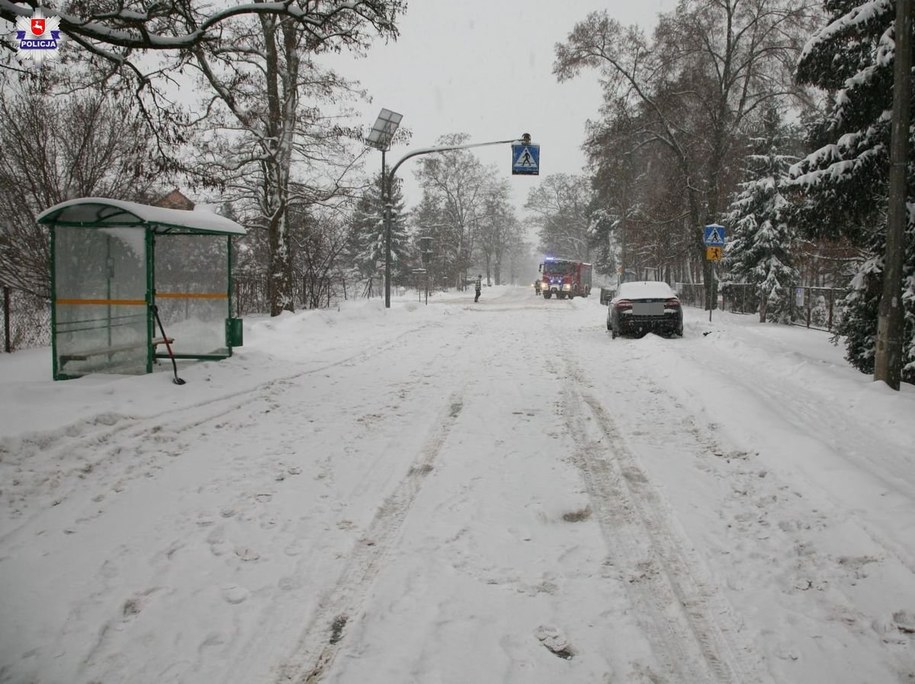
[174,200]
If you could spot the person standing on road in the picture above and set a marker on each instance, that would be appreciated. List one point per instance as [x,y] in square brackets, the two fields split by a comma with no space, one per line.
[479,287]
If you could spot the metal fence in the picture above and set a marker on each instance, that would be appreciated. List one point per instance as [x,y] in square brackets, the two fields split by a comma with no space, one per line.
[814,307]
[733,297]
[819,307]
[739,298]
[252,292]
[26,320]
[691,294]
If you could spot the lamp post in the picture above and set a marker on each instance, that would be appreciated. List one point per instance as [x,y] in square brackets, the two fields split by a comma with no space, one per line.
[380,138]
[525,139]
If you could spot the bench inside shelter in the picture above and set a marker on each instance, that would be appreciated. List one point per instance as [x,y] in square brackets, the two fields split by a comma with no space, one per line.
[87,354]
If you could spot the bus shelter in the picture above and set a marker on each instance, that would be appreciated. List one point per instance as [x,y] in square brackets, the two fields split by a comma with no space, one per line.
[115,265]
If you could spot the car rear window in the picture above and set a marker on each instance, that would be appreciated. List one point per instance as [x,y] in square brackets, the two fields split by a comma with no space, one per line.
[645,290]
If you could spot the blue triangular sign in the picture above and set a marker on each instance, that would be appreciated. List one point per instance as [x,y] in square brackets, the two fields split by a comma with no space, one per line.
[526,159]
[715,235]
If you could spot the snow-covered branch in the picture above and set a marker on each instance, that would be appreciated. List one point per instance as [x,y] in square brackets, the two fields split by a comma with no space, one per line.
[175,25]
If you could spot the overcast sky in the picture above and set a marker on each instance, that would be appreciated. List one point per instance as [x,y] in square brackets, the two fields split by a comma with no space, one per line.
[484,67]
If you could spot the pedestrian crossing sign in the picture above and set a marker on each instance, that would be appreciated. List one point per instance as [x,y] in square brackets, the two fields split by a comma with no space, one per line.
[526,159]
[715,235]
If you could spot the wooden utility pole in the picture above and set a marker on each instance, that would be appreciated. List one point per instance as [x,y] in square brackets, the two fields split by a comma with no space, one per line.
[890,320]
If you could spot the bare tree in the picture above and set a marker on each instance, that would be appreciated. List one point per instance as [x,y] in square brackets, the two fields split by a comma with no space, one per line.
[117,31]
[498,229]
[318,240]
[55,150]
[561,206]
[711,65]
[455,182]
[436,236]
[639,223]
[256,58]
[271,139]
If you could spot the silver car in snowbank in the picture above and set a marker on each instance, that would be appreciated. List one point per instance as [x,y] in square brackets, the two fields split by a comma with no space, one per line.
[645,306]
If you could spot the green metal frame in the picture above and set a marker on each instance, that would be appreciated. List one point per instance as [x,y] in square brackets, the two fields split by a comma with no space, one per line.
[233,326]
[55,371]
[150,298]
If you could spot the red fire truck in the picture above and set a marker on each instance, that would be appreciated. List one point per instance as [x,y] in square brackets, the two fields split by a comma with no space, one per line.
[565,278]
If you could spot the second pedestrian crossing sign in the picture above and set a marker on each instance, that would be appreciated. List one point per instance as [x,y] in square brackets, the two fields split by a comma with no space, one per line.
[715,235]
[526,159]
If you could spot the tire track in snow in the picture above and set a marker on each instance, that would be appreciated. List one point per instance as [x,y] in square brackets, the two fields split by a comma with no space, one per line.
[80,434]
[319,644]
[104,436]
[807,412]
[688,624]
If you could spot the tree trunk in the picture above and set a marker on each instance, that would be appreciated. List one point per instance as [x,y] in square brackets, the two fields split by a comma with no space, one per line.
[891,320]
[280,276]
[282,102]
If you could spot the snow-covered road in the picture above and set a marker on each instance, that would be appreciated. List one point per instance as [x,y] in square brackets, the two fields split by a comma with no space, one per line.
[460,492]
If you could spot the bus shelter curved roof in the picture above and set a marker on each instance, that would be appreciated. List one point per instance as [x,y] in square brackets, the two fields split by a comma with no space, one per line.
[101,212]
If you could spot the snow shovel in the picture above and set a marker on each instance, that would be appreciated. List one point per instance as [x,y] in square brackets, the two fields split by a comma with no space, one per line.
[171,355]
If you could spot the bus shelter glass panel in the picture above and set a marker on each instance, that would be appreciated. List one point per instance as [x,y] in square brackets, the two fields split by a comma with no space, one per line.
[192,285]
[100,287]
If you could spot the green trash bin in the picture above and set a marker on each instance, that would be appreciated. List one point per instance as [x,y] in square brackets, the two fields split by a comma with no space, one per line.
[234,333]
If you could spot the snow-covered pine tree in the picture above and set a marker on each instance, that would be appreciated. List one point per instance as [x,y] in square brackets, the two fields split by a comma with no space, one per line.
[365,227]
[402,248]
[843,183]
[763,240]
[366,247]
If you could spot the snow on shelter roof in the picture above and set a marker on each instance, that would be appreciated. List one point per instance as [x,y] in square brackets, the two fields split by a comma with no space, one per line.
[100,212]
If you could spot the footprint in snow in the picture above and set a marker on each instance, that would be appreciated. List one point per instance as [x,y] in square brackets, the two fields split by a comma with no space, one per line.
[554,641]
[246,553]
[904,621]
[234,594]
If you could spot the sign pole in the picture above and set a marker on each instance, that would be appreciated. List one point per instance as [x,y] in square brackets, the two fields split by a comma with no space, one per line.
[714,289]
[714,237]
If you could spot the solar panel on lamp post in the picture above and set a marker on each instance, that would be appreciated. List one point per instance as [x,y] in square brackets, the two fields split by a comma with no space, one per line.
[380,138]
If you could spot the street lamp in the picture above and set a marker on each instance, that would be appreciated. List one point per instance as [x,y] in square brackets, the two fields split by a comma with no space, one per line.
[386,120]
[380,138]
